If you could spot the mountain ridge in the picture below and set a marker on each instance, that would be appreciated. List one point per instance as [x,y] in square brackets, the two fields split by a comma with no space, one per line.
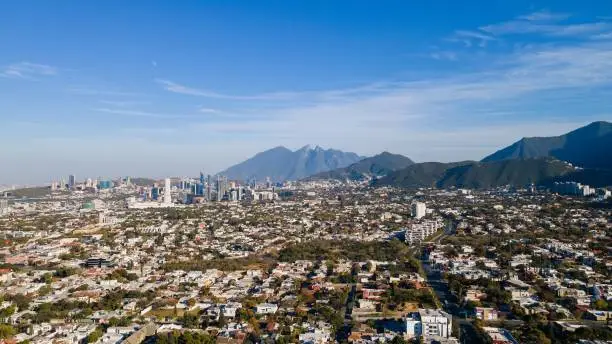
[380,164]
[587,147]
[280,163]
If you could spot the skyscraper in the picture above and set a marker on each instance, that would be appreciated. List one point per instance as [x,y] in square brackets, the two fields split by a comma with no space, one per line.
[167,192]
[208,189]
[71,180]
[155,193]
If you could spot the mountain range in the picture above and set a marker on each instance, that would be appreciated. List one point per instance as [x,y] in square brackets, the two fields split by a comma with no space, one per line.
[587,147]
[582,155]
[280,163]
[378,165]
[478,175]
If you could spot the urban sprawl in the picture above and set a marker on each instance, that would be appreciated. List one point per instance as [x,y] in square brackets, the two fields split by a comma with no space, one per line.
[205,260]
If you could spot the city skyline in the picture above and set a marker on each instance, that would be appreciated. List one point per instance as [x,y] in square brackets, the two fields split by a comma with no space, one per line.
[203,86]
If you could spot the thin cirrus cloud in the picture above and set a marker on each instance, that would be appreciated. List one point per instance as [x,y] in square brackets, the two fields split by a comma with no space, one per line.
[546,23]
[543,23]
[28,70]
[86,91]
[544,15]
[409,108]
[208,110]
[603,36]
[145,114]
[467,36]
[182,89]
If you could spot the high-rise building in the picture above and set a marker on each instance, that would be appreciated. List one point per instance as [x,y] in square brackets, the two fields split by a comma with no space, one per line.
[105,184]
[3,206]
[89,183]
[71,180]
[167,192]
[418,210]
[155,193]
[199,189]
[208,189]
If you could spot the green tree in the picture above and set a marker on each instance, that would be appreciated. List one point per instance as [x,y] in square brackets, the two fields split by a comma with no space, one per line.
[601,305]
[7,331]
[95,335]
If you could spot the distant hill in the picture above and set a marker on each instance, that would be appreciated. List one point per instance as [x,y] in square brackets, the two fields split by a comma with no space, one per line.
[588,147]
[479,175]
[378,165]
[282,164]
[425,174]
[507,172]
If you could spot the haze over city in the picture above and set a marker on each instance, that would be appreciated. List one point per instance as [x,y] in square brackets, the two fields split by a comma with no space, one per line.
[153,89]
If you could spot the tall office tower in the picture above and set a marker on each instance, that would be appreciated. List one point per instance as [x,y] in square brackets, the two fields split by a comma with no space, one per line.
[167,192]
[155,193]
[225,185]
[71,180]
[239,193]
[208,189]
[63,184]
[219,196]
[201,178]
[88,183]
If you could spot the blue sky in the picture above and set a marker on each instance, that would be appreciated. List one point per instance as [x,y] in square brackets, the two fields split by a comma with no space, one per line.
[162,88]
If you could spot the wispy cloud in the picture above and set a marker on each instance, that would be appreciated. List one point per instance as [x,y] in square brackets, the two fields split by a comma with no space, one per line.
[444,55]
[182,89]
[86,91]
[138,113]
[467,36]
[208,110]
[27,70]
[544,15]
[122,103]
[603,36]
[546,23]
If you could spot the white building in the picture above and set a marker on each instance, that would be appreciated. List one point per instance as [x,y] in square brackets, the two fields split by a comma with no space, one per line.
[316,336]
[429,323]
[419,210]
[105,219]
[4,208]
[266,308]
[417,232]
[167,193]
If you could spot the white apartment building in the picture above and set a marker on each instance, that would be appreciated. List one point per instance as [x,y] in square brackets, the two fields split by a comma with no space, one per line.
[429,323]
[417,232]
[418,210]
